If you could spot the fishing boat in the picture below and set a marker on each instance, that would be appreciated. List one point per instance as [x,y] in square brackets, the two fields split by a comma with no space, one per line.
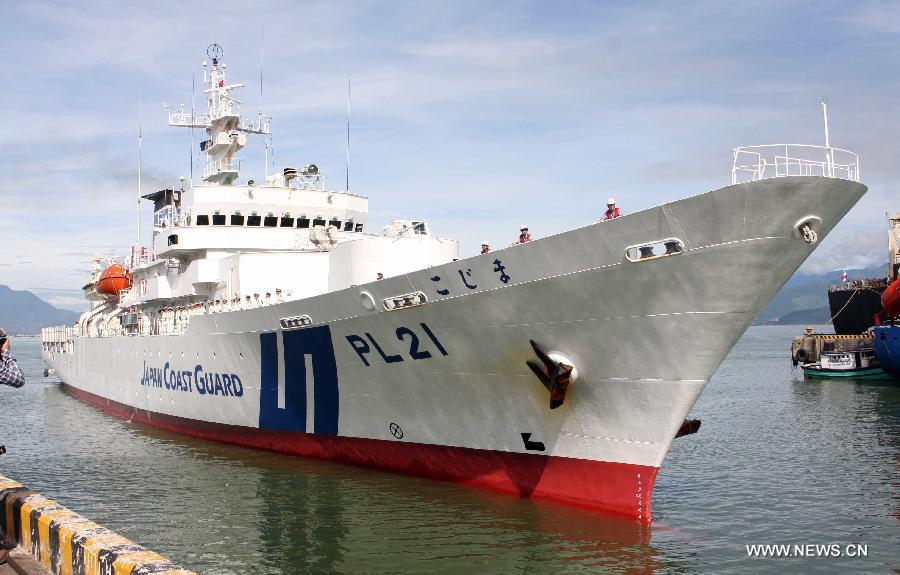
[858,364]
[268,314]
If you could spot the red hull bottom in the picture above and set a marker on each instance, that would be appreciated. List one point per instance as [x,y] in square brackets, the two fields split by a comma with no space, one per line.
[617,488]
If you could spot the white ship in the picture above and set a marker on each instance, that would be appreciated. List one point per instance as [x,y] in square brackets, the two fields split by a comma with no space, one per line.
[560,368]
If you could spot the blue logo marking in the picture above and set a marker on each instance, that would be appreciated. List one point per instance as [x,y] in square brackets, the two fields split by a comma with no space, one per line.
[308,359]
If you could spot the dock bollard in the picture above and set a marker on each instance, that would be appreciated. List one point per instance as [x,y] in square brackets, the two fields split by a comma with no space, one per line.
[67,544]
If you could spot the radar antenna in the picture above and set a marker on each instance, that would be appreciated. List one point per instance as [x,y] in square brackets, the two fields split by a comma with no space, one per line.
[215,53]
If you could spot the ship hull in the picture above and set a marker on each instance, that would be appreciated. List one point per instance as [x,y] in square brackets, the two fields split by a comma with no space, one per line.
[443,390]
[853,309]
[623,489]
[887,348]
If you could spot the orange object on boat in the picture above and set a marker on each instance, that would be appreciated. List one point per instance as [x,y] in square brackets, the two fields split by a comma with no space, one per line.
[114,279]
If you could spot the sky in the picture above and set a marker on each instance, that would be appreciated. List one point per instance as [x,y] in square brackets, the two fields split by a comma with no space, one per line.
[477,116]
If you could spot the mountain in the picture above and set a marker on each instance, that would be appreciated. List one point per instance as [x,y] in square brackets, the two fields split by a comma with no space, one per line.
[804,298]
[24,312]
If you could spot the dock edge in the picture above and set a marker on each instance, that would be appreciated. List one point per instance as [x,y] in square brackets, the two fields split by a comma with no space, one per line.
[66,543]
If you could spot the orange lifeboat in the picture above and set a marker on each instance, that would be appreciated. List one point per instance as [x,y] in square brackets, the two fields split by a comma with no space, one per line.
[890,299]
[114,279]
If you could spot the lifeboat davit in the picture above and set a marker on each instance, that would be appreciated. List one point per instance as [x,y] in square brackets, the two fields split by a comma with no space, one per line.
[114,279]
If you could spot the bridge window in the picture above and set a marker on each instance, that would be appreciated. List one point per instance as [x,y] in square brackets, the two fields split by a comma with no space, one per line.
[237,220]
[270,221]
[348,226]
[287,222]
[359,227]
[218,219]
[302,222]
[335,222]
[253,220]
[202,220]
[319,221]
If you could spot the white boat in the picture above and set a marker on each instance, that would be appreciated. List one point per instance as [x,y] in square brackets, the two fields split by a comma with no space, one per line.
[560,368]
[858,363]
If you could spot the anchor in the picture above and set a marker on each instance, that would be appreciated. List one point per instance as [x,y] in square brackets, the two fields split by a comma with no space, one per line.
[555,374]
[689,427]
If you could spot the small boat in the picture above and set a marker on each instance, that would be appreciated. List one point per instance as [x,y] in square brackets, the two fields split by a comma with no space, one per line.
[857,363]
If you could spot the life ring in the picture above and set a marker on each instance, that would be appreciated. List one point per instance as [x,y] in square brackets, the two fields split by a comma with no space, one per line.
[802,355]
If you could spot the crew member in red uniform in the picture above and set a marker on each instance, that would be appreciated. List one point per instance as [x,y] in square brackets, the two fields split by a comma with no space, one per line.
[611,210]
[524,235]
[485,247]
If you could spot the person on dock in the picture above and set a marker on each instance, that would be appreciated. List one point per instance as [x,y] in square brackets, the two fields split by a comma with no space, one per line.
[10,374]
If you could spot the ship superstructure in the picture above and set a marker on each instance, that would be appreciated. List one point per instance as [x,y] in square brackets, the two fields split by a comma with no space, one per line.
[223,246]
[560,368]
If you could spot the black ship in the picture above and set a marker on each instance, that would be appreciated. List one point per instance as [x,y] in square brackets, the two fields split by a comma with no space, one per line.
[854,303]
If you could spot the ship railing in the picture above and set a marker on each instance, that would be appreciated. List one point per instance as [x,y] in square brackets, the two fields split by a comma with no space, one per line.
[753,163]
[58,334]
[262,125]
[220,166]
[129,297]
[188,120]
[146,256]
[864,283]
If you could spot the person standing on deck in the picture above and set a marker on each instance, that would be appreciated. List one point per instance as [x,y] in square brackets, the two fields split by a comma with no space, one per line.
[524,234]
[612,211]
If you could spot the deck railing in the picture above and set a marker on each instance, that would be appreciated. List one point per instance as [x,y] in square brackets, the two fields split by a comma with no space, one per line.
[220,166]
[752,163]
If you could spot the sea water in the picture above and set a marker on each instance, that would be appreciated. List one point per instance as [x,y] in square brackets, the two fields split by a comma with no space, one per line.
[777,461]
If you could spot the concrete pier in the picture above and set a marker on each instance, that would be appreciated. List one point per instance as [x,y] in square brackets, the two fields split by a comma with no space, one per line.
[55,540]
[806,349]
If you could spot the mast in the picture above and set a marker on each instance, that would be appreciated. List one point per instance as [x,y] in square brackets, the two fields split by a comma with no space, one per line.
[193,103]
[226,131]
[348,135]
[828,154]
[259,117]
[140,156]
